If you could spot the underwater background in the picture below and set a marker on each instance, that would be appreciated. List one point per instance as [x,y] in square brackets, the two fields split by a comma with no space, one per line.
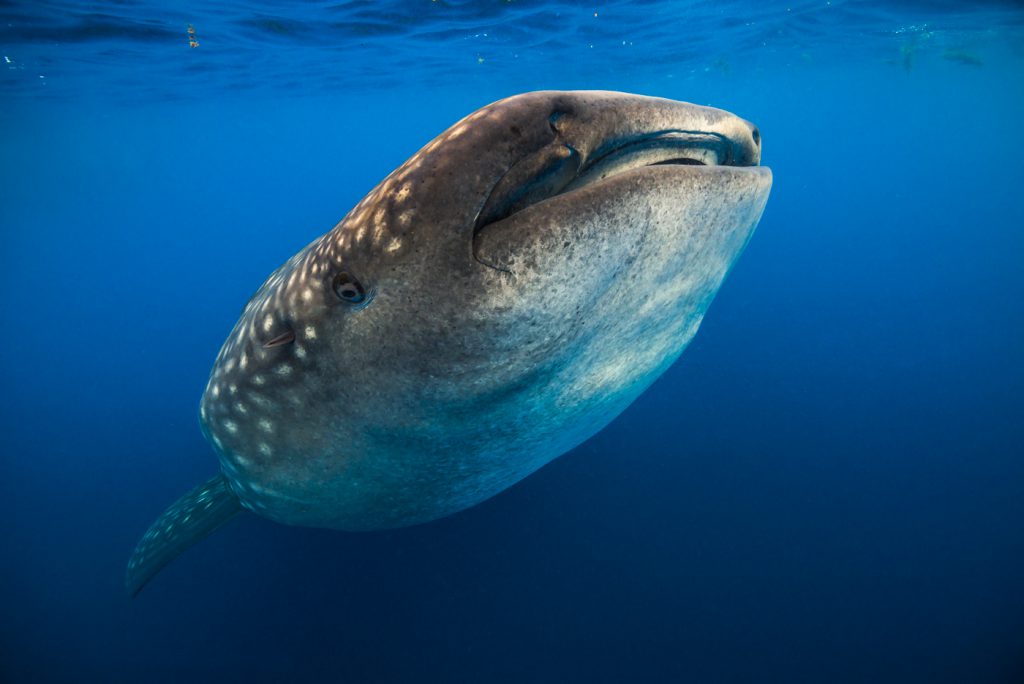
[827,487]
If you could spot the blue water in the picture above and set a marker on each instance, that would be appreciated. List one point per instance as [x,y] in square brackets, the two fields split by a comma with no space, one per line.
[827,487]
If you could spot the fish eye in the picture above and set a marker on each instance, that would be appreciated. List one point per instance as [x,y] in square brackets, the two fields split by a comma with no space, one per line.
[348,288]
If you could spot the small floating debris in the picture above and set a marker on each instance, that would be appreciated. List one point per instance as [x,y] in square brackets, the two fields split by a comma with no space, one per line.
[962,57]
[193,42]
[907,51]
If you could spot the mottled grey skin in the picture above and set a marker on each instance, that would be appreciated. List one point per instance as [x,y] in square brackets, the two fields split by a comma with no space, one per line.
[505,325]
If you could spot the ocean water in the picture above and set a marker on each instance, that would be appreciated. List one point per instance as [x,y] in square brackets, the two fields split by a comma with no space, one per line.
[827,487]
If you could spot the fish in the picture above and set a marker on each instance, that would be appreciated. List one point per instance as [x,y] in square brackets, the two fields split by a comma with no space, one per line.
[494,302]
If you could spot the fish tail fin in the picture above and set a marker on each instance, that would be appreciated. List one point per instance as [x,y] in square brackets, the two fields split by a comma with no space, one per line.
[189,519]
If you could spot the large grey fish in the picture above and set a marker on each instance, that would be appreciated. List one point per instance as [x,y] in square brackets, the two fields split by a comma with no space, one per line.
[494,302]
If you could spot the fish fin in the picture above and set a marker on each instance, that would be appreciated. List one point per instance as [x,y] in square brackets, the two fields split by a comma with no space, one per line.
[189,519]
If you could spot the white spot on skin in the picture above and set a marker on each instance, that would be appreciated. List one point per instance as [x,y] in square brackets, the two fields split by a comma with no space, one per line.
[310,332]
[216,391]
[266,425]
[283,369]
[231,426]
[259,400]
[307,295]
[300,352]
[243,363]
[258,379]
[394,245]
[265,449]
[241,408]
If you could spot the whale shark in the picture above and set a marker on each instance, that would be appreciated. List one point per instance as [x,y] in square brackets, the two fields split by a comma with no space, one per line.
[494,302]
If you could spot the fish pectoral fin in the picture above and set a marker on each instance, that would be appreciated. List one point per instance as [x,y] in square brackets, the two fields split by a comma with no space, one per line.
[189,519]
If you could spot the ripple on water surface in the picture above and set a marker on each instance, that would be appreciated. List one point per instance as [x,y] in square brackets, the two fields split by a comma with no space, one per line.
[144,50]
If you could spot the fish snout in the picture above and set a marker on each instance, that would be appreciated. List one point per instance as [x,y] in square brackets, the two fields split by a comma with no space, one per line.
[745,139]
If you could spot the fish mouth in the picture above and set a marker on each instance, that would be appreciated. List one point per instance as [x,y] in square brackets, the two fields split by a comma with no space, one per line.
[560,169]
[684,148]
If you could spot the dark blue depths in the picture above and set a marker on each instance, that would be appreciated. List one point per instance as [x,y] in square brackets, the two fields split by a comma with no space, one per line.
[829,485]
